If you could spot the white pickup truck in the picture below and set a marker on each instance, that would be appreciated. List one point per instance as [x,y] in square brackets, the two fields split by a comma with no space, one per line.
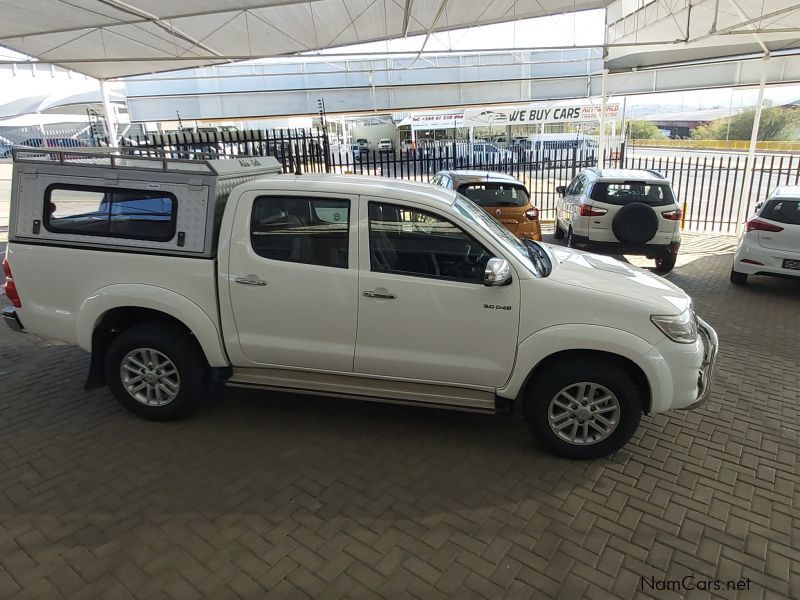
[179,276]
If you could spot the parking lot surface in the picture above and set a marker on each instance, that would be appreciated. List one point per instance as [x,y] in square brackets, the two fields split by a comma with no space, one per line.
[267,495]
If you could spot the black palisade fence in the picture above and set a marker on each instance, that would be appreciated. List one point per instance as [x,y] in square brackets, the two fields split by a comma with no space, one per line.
[710,187]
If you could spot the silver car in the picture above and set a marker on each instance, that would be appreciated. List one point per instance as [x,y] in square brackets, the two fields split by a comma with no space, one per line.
[621,212]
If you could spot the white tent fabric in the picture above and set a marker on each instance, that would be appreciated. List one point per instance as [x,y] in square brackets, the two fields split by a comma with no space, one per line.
[57,103]
[113,38]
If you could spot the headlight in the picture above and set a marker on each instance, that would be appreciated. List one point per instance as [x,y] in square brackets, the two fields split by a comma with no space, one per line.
[680,328]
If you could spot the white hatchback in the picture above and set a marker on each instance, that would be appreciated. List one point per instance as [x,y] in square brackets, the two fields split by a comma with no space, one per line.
[770,244]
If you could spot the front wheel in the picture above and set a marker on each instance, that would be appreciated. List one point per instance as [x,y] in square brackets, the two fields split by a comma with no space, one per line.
[583,408]
[666,262]
[156,371]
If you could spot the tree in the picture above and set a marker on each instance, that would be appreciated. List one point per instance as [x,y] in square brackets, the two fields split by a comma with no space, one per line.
[643,130]
[776,124]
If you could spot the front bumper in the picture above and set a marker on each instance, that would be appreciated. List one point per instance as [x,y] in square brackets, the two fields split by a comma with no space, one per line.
[706,374]
[12,320]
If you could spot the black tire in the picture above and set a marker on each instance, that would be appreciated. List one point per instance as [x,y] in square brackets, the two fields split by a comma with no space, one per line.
[179,348]
[738,278]
[666,262]
[558,233]
[546,386]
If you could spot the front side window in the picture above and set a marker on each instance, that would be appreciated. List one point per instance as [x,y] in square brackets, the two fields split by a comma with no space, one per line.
[782,211]
[495,194]
[653,194]
[110,212]
[407,241]
[313,231]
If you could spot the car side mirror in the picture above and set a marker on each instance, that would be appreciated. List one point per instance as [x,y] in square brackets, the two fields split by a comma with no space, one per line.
[561,190]
[758,206]
[498,272]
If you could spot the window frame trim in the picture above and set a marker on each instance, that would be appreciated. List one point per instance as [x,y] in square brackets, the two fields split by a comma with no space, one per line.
[107,189]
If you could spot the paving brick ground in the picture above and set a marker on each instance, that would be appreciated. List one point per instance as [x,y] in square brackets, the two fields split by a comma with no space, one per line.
[266,495]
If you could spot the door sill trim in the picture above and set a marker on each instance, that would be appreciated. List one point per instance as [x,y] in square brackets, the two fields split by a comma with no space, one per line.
[365,388]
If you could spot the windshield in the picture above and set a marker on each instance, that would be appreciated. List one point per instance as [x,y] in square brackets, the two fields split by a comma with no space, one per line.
[490,193]
[478,217]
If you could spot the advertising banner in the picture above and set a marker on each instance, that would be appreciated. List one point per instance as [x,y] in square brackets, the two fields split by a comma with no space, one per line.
[537,113]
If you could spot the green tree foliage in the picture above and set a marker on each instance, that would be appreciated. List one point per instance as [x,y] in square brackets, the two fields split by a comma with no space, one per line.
[643,130]
[776,124]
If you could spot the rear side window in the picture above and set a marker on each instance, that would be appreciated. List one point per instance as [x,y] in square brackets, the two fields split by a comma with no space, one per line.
[313,231]
[782,211]
[495,194]
[111,212]
[653,194]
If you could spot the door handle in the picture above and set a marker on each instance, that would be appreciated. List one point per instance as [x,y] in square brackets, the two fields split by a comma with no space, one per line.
[383,295]
[250,280]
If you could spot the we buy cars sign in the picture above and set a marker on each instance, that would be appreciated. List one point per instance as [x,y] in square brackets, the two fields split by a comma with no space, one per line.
[538,114]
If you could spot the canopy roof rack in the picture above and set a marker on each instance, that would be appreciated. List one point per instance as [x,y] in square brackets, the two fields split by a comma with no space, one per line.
[115,159]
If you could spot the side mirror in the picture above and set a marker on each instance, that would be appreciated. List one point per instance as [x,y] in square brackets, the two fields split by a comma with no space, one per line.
[498,272]
[758,206]
[561,190]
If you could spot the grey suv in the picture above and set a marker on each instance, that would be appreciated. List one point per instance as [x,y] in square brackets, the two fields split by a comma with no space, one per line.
[621,212]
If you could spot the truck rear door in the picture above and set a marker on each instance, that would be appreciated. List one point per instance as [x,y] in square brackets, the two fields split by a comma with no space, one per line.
[292,280]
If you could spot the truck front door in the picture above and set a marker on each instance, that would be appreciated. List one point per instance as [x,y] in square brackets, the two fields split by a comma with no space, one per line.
[293,280]
[424,312]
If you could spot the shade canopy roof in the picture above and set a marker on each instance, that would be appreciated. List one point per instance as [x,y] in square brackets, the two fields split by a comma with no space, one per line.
[114,38]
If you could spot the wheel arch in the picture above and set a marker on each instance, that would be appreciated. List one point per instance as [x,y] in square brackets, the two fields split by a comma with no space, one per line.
[553,344]
[635,372]
[114,309]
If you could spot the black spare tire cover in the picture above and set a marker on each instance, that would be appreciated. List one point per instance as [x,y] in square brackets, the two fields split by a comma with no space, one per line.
[635,223]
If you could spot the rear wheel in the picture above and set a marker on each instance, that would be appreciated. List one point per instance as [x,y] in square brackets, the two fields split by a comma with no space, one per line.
[583,408]
[666,262]
[558,233]
[738,278]
[156,371]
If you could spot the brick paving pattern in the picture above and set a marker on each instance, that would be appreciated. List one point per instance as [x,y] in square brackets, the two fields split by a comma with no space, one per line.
[280,496]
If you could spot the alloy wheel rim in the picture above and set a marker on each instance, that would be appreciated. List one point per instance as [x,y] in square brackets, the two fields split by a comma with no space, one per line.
[150,377]
[584,413]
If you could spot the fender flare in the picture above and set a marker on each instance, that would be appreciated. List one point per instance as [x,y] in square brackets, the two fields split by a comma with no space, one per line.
[577,336]
[137,295]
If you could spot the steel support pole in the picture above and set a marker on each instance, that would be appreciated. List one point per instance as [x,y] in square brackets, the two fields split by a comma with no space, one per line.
[749,164]
[111,117]
[601,147]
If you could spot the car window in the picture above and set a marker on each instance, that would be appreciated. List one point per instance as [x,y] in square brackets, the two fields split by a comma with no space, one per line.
[495,194]
[654,194]
[576,185]
[437,179]
[110,212]
[782,211]
[312,231]
[407,241]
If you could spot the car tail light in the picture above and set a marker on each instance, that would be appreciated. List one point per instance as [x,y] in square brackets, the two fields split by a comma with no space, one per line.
[532,214]
[759,225]
[9,288]
[588,210]
[673,215]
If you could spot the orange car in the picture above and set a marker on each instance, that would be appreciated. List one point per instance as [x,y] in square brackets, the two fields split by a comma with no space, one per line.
[500,195]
